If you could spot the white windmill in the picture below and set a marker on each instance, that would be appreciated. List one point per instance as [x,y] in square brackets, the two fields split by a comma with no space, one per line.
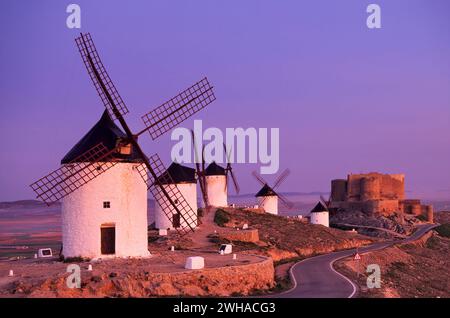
[103,180]
[319,215]
[214,179]
[107,216]
[185,180]
[267,198]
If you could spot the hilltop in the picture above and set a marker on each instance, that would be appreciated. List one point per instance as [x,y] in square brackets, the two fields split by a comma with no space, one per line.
[284,238]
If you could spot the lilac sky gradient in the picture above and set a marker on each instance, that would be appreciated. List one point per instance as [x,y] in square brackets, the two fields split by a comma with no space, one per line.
[346,98]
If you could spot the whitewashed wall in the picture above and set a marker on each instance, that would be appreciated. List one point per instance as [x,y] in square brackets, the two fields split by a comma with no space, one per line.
[216,190]
[83,214]
[189,192]
[320,218]
[269,204]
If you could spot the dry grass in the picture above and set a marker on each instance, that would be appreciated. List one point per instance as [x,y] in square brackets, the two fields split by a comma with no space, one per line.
[411,270]
[292,235]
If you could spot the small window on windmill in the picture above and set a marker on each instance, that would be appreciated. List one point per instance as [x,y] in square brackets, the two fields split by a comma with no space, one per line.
[106,204]
[124,149]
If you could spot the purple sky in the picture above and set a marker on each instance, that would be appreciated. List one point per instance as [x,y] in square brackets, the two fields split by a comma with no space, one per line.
[346,98]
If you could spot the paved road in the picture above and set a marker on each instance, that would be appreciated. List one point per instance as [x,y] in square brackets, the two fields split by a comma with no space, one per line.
[315,277]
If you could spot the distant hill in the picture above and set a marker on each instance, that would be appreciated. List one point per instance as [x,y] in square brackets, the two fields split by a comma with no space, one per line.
[21,203]
[251,195]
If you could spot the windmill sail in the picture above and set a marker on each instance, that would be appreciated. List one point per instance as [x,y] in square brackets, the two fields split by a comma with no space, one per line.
[63,181]
[166,193]
[94,65]
[178,109]
[229,170]
[271,190]
[200,170]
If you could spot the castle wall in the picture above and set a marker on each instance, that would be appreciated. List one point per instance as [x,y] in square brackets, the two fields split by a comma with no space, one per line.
[353,188]
[411,207]
[383,207]
[370,188]
[427,210]
[376,193]
[338,190]
[83,214]
[375,186]
[393,187]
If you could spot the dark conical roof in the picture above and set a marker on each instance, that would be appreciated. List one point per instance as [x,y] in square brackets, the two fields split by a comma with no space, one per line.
[179,174]
[215,170]
[265,191]
[104,131]
[319,208]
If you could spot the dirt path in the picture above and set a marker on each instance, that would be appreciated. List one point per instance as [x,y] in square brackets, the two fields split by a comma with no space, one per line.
[200,236]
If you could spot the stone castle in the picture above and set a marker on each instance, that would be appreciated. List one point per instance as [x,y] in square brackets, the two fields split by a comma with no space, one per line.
[375,193]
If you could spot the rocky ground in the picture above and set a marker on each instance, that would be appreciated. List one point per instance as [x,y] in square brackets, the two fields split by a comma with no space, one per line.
[281,239]
[442,217]
[289,238]
[163,274]
[418,269]
[286,240]
[396,223]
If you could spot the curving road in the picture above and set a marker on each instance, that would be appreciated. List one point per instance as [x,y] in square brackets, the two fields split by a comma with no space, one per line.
[315,277]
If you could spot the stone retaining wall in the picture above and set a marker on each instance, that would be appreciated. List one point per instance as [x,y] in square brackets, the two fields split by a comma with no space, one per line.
[222,281]
[250,235]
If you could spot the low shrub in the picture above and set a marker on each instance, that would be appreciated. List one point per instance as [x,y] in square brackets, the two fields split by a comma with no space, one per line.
[443,230]
[221,218]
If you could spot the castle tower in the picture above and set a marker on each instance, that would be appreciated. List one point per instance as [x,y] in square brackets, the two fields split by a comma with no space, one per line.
[107,217]
[267,199]
[216,185]
[184,179]
[319,215]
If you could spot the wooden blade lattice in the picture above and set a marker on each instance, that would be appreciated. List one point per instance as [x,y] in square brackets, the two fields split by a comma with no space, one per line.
[75,174]
[178,109]
[164,181]
[89,54]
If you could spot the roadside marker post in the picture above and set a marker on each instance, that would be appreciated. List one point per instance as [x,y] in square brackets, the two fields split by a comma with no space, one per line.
[358,259]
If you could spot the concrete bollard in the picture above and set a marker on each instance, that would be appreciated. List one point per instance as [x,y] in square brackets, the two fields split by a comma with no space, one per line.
[225,249]
[35,255]
[234,256]
[11,273]
[172,248]
[195,262]
[90,268]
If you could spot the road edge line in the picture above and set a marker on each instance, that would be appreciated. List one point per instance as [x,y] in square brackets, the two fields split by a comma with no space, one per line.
[355,288]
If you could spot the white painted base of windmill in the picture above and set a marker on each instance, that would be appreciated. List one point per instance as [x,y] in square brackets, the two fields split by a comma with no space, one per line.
[320,218]
[269,204]
[216,187]
[84,216]
[189,192]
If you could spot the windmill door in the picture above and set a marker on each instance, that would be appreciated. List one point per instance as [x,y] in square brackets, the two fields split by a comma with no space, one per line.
[176,220]
[108,237]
